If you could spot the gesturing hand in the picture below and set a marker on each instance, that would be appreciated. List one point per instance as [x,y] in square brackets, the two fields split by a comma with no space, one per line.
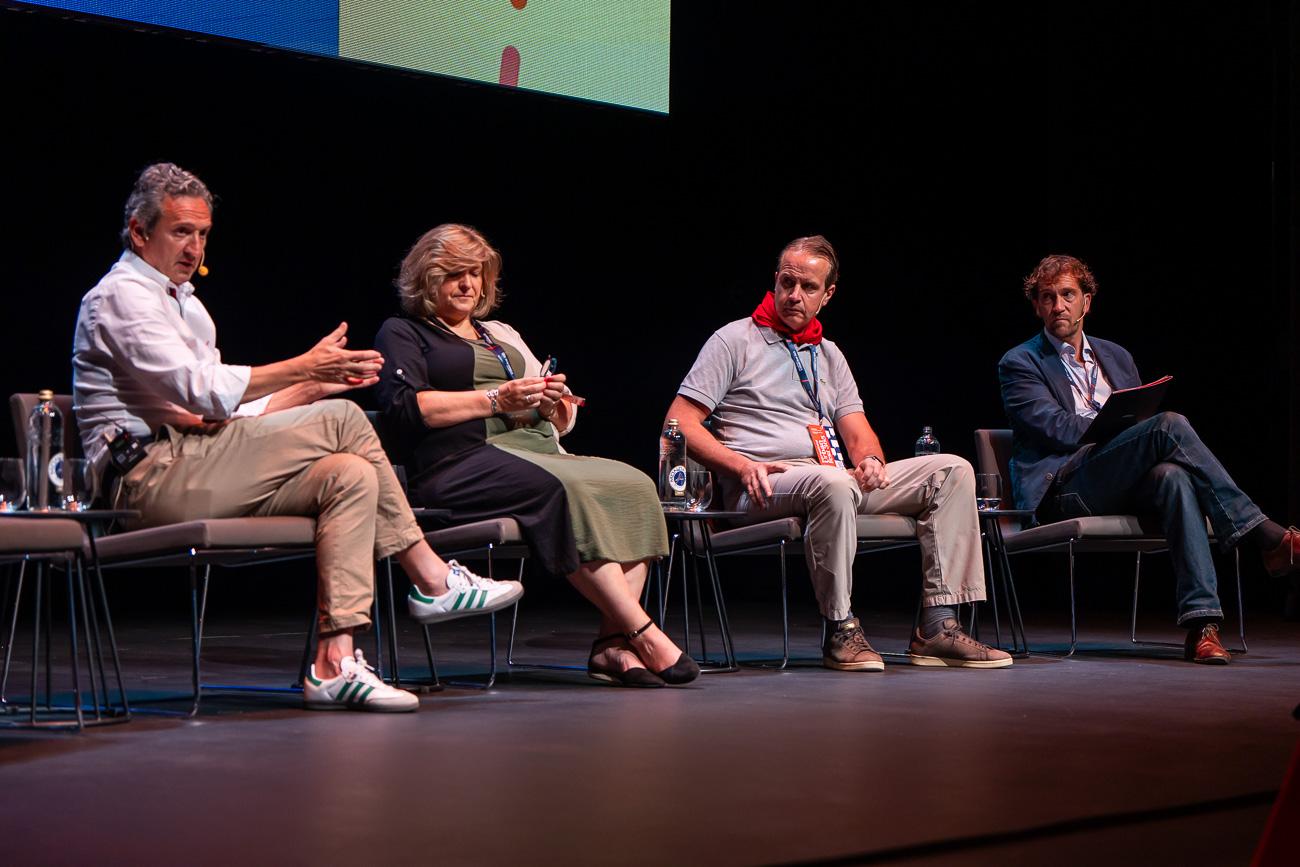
[754,476]
[329,361]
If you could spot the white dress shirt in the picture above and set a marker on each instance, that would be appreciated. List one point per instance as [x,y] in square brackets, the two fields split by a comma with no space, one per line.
[1081,376]
[144,354]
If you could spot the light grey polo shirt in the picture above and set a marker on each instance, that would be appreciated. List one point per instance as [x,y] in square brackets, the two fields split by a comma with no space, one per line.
[745,376]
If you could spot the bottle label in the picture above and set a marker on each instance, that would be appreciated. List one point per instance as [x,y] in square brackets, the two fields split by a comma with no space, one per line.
[55,470]
[677,479]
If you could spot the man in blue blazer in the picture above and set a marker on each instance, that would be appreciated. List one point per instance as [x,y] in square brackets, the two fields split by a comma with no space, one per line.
[1052,388]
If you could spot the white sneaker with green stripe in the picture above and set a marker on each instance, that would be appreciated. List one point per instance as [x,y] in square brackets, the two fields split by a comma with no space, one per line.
[466,594]
[356,688]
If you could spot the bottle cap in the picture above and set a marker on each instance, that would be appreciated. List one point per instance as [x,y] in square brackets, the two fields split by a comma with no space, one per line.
[45,394]
[672,421]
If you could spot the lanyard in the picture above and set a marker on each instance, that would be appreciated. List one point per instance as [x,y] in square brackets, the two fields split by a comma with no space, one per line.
[496,349]
[1089,397]
[486,337]
[808,386]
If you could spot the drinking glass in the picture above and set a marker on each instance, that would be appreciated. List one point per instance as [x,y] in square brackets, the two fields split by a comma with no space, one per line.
[80,484]
[13,484]
[699,489]
[988,491]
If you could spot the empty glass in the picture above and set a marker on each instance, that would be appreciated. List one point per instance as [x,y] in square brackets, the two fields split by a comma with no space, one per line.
[699,489]
[988,491]
[80,484]
[13,484]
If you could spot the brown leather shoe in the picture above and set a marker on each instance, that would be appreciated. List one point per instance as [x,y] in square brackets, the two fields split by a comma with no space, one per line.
[1203,646]
[1282,559]
[846,649]
[955,649]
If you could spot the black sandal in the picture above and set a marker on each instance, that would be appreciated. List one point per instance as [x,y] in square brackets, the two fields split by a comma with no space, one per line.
[684,670]
[642,678]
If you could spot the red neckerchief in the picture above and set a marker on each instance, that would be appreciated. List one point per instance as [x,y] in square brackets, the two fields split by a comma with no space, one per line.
[765,314]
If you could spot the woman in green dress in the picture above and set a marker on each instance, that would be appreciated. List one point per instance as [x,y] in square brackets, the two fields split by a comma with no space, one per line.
[477,422]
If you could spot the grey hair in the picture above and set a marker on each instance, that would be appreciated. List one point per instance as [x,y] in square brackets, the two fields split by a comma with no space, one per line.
[156,184]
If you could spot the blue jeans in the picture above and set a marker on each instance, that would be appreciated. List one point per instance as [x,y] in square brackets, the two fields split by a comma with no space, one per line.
[1160,466]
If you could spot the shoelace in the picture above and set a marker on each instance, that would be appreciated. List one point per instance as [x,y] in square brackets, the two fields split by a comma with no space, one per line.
[363,672]
[472,580]
[856,640]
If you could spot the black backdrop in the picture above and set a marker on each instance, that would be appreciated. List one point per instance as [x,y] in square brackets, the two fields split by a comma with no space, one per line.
[944,147]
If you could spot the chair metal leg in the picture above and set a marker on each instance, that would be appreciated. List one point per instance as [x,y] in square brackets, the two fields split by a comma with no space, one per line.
[36,637]
[1137,577]
[378,628]
[785,622]
[1241,602]
[196,625]
[72,640]
[992,589]
[392,624]
[308,649]
[1074,627]
[13,627]
[1241,610]
[94,650]
[112,638]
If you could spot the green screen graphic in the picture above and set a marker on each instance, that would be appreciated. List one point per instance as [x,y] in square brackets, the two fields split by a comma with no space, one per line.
[613,51]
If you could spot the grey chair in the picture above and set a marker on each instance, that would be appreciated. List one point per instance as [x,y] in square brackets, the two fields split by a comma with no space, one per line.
[204,543]
[784,536]
[229,542]
[1095,534]
[49,542]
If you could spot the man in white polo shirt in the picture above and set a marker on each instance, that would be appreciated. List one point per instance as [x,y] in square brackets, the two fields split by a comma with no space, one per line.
[782,399]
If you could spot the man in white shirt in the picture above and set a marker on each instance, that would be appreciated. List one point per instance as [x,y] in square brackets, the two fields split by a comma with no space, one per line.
[223,440]
[1053,386]
[778,394]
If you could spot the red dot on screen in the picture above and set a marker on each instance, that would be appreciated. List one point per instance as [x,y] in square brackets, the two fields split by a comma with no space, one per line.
[509,67]
[519,4]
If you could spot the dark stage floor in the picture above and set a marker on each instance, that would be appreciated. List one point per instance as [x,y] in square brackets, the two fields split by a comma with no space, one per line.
[1110,757]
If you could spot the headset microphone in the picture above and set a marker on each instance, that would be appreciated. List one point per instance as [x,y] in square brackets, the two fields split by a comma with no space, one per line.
[203,269]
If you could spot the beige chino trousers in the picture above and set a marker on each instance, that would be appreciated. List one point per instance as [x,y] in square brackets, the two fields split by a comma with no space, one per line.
[937,490]
[322,460]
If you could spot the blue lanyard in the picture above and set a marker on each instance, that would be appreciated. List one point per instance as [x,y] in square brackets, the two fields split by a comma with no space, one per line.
[810,387]
[1089,397]
[486,337]
[496,349]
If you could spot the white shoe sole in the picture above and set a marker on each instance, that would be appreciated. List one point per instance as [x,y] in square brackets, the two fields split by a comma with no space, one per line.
[503,601]
[945,662]
[853,666]
[363,708]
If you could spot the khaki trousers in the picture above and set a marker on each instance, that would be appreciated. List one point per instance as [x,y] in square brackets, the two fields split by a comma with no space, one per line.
[937,490]
[322,460]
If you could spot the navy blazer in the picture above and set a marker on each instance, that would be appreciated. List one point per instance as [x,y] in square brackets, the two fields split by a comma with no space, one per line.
[1039,403]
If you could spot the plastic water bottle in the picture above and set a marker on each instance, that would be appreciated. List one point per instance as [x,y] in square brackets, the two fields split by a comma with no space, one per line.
[927,444]
[45,455]
[672,468]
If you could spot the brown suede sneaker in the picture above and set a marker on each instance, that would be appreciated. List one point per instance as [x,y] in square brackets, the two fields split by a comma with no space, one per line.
[1203,646]
[1282,559]
[955,649]
[846,649]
